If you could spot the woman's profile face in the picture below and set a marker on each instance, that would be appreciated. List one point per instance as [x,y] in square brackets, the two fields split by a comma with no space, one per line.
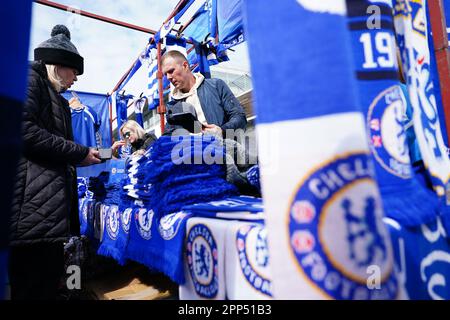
[130,134]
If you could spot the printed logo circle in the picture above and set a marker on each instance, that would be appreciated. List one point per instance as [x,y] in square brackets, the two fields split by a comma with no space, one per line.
[126,219]
[144,219]
[387,135]
[169,225]
[338,246]
[203,261]
[253,253]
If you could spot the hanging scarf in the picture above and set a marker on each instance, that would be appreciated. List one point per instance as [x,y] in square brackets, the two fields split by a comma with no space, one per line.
[317,176]
[411,29]
[384,105]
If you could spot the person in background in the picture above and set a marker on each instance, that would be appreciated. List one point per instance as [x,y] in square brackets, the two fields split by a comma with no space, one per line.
[44,211]
[133,133]
[217,108]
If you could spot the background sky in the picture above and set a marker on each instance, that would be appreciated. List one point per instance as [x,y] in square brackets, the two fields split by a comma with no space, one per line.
[109,50]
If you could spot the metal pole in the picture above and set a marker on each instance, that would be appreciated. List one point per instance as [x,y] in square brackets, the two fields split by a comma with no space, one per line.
[94,16]
[439,28]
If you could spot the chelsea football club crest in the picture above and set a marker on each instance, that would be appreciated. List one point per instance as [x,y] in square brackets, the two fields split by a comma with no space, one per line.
[169,225]
[253,253]
[202,261]
[144,220]
[112,222]
[126,219]
[387,134]
[336,231]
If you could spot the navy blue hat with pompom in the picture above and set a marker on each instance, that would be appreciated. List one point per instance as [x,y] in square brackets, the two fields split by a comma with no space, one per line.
[59,50]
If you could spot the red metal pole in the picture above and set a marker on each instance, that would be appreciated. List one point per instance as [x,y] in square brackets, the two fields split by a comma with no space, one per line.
[161,108]
[94,16]
[439,29]
[111,122]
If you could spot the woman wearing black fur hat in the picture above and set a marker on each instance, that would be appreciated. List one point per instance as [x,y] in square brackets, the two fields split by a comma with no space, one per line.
[45,204]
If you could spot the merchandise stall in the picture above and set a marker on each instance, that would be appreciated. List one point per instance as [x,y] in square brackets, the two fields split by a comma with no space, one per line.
[344,212]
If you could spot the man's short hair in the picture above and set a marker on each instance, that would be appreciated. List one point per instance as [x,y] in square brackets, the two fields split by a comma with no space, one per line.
[174,54]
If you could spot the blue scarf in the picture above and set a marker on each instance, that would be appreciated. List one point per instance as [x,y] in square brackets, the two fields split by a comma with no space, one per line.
[161,246]
[233,208]
[3,271]
[384,105]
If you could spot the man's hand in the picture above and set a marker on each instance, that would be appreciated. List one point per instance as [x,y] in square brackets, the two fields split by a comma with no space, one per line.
[212,129]
[93,157]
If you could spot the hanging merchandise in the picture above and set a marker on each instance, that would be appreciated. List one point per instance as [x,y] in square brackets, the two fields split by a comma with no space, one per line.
[150,61]
[434,76]
[323,208]
[411,30]
[172,42]
[380,94]
[140,104]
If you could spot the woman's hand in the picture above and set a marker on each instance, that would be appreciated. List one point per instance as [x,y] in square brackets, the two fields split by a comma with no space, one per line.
[139,152]
[116,145]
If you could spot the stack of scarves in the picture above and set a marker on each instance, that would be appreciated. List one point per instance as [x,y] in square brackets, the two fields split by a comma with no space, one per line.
[183,170]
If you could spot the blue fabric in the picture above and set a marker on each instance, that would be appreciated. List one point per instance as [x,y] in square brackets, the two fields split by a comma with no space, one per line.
[133,70]
[202,59]
[253,177]
[3,272]
[230,23]
[86,216]
[417,62]
[200,26]
[178,182]
[413,146]
[422,258]
[115,238]
[163,251]
[271,22]
[121,110]
[435,78]
[233,208]
[219,105]
[447,16]
[404,199]
[15,23]
[15,32]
